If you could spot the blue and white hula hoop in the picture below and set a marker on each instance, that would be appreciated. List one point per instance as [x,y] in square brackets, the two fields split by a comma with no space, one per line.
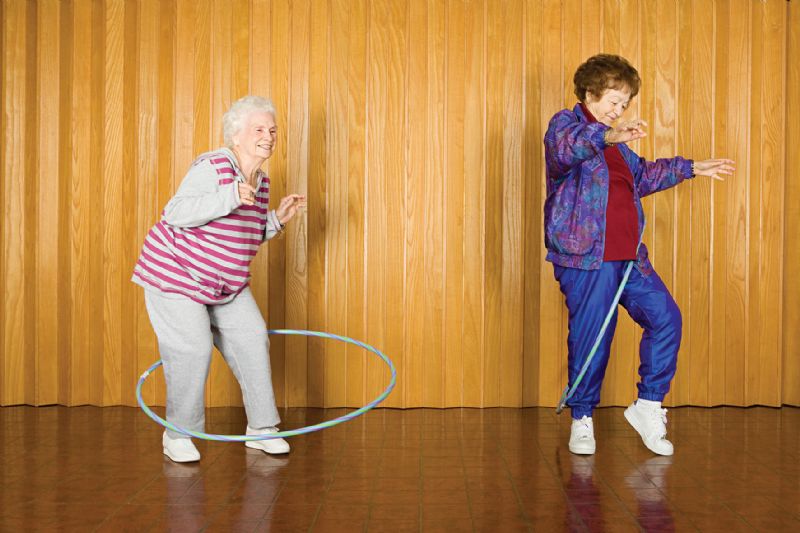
[279,434]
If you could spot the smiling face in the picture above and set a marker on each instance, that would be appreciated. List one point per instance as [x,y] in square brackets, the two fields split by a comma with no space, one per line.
[610,106]
[256,140]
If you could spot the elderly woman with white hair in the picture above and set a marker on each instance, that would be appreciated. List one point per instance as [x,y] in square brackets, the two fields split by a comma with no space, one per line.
[194,267]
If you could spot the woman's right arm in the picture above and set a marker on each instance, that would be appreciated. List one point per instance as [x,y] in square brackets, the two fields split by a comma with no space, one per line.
[202,197]
[569,142]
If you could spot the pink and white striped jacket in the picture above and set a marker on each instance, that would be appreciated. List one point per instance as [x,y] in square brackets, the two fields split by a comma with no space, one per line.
[203,245]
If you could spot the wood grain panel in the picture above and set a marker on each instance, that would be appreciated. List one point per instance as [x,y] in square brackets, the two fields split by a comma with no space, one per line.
[475,37]
[48,37]
[454,203]
[18,372]
[415,128]
[357,114]
[790,372]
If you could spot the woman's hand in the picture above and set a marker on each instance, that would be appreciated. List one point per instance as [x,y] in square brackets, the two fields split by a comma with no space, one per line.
[627,131]
[289,206]
[247,194]
[714,168]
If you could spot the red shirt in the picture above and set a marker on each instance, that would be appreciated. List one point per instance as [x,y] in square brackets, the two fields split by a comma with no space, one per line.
[622,220]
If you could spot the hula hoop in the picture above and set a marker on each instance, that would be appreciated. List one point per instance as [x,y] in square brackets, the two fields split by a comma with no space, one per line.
[279,434]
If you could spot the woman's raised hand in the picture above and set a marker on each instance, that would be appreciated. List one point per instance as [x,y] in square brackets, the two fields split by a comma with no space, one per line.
[714,168]
[289,206]
[247,194]
[627,131]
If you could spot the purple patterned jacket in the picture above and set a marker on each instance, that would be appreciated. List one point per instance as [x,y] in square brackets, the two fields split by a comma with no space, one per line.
[577,190]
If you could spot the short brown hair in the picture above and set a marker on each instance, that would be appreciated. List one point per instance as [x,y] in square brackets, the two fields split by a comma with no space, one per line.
[605,71]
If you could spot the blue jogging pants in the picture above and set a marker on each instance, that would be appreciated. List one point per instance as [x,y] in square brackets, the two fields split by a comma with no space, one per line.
[589,294]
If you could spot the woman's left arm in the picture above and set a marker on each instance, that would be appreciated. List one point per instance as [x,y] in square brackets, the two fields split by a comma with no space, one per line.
[278,218]
[653,176]
[661,174]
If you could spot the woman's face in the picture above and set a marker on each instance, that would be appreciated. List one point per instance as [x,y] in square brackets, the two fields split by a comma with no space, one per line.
[257,137]
[610,106]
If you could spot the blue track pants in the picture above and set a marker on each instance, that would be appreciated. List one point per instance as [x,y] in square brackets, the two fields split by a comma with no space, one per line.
[589,294]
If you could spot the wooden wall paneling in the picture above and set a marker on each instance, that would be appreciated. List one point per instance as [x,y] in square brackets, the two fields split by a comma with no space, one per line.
[771,118]
[719,209]
[297,181]
[128,248]
[47,190]
[148,170]
[433,228]
[336,208]
[511,339]
[4,77]
[112,187]
[390,24]
[99,143]
[359,28]
[415,178]
[475,141]
[533,200]
[64,166]
[663,123]
[736,293]
[18,366]
[318,280]
[493,190]
[682,194]
[378,46]
[552,330]
[80,201]
[454,203]
[755,245]
[791,255]
[700,109]
[416,129]
[592,30]
[31,200]
[278,90]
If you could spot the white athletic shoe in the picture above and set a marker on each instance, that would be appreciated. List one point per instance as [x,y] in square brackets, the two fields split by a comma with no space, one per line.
[180,450]
[650,421]
[581,439]
[273,446]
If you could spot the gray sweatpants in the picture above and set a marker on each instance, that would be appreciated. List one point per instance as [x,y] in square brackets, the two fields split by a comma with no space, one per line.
[187,332]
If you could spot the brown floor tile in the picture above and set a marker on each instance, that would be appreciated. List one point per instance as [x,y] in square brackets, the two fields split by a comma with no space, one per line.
[392,526]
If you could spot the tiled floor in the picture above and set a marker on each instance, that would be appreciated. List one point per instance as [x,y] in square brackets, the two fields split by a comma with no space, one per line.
[88,468]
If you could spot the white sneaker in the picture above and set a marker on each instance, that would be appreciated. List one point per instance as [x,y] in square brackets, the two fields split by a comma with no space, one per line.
[274,446]
[650,421]
[581,439]
[179,450]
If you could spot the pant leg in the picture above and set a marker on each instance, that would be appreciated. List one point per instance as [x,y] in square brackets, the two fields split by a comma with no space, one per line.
[588,295]
[651,306]
[184,341]
[240,333]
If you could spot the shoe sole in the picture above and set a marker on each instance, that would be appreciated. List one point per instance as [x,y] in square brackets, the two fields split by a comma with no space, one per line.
[250,444]
[581,452]
[174,460]
[631,420]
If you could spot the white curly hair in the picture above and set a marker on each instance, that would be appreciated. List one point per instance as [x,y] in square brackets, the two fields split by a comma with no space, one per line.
[235,117]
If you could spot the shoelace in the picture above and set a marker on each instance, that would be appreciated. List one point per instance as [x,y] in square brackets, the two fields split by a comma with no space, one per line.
[585,430]
[659,418]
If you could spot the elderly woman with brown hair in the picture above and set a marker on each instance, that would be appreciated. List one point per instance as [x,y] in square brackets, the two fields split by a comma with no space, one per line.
[594,223]
[194,267]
